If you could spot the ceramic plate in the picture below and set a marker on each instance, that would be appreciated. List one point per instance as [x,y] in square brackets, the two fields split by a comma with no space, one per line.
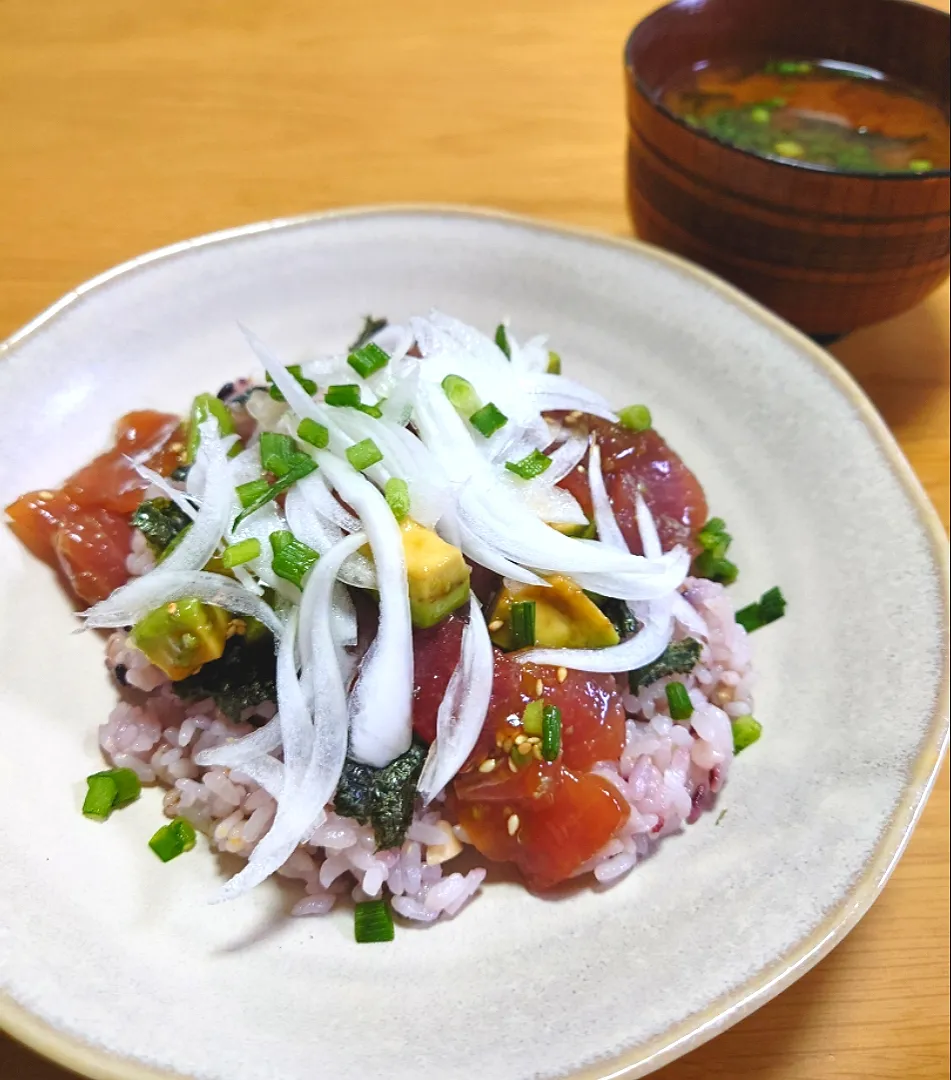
[115,964]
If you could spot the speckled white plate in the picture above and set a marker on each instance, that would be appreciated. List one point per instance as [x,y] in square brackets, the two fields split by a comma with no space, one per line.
[114,964]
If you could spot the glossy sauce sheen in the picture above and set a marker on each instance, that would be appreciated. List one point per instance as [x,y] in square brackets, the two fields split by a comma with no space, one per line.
[839,116]
[83,528]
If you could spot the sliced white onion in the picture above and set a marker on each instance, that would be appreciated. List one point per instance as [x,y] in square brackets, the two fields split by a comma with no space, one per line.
[266,772]
[186,505]
[556,392]
[306,521]
[162,589]
[646,645]
[463,707]
[231,755]
[381,698]
[650,540]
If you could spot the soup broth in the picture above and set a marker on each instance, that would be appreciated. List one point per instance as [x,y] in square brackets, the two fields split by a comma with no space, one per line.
[819,111]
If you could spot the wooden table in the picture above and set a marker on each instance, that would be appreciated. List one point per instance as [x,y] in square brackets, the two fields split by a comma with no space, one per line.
[127,126]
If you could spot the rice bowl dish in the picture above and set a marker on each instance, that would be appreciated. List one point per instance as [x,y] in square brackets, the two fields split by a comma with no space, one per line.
[427,599]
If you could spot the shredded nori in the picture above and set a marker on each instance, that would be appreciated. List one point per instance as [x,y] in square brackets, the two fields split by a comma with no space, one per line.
[679,658]
[619,612]
[160,520]
[383,798]
[243,676]
[371,326]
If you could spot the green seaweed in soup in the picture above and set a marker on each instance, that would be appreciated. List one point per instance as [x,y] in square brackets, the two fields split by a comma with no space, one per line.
[819,111]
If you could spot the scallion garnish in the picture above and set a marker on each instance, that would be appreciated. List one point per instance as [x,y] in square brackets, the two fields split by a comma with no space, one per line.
[746,731]
[307,385]
[343,395]
[502,340]
[363,454]
[277,452]
[678,701]
[173,839]
[396,493]
[523,623]
[128,785]
[204,407]
[554,363]
[372,922]
[101,794]
[635,417]
[770,607]
[533,717]
[309,431]
[532,465]
[551,732]
[240,553]
[712,562]
[252,491]
[461,394]
[370,410]
[301,465]
[292,559]
[488,420]
[368,359]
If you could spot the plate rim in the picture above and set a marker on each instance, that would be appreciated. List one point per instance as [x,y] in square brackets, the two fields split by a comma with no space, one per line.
[97,1063]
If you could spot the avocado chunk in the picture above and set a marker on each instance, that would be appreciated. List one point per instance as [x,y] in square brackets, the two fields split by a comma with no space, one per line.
[438,574]
[584,532]
[182,635]
[565,618]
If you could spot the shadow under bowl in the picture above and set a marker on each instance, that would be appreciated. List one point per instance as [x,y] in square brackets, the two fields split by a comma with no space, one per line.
[829,251]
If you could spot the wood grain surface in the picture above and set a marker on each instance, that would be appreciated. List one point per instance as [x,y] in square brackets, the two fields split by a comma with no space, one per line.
[127,125]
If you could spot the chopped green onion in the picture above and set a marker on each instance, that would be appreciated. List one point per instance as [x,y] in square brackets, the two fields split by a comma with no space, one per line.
[551,732]
[461,394]
[309,431]
[301,465]
[635,417]
[789,148]
[746,731]
[372,922]
[128,785]
[920,165]
[523,623]
[712,562]
[396,493]
[172,839]
[292,559]
[370,410]
[344,395]
[678,701]
[277,452]
[368,359]
[770,607]
[252,491]
[488,420]
[363,454]
[101,794]
[204,407]
[533,717]
[532,465]
[554,363]
[240,553]
[307,385]
[759,115]
[502,340]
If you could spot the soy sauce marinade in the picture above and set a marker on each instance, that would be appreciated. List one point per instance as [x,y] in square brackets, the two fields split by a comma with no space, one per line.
[819,111]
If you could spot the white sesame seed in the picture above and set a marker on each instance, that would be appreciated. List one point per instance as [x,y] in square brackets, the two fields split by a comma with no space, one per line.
[539,688]
[496,624]
[488,765]
[519,739]
[513,824]
[562,674]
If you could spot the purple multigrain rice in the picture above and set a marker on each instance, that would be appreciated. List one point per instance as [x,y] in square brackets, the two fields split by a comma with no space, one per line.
[668,772]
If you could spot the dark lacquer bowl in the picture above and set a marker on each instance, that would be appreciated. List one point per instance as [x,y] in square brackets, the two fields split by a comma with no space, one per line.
[829,251]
